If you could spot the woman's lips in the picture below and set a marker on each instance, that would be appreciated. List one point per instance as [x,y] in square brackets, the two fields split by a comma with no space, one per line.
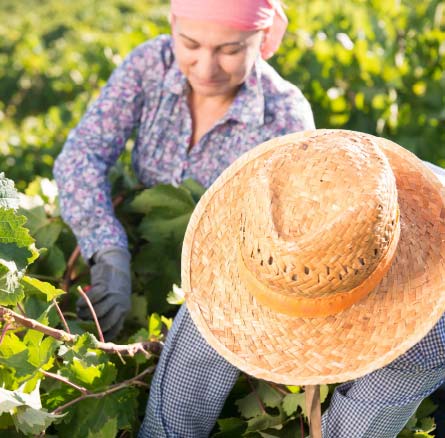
[212,83]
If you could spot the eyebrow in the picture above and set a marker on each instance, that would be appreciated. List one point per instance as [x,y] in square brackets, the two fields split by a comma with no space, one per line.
[231,43]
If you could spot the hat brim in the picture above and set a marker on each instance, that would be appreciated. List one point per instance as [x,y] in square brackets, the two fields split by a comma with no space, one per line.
[298,351]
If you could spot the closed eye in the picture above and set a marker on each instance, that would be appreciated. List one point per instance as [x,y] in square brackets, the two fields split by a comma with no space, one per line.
[231,50]
[191,46]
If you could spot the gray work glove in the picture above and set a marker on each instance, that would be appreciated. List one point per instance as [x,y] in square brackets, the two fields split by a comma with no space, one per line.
[110,292]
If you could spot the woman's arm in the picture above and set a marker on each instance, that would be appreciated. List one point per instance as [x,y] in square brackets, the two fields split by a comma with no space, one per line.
[94,146]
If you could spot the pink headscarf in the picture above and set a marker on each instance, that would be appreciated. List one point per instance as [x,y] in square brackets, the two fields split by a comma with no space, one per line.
[239,14]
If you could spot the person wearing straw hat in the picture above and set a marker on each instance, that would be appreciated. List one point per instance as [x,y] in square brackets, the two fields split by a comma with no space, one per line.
[316,257]
[197,99]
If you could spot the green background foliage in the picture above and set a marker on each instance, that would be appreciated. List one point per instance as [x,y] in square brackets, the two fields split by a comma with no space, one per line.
[375,66]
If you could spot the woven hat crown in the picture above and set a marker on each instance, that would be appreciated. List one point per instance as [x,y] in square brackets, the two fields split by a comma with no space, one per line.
[321,225]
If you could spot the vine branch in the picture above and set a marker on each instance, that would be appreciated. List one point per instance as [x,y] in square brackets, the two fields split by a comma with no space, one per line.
[62,318]
[6,327]
[144,347]
[90,306]
[64,380]
[255,393]
[113,388]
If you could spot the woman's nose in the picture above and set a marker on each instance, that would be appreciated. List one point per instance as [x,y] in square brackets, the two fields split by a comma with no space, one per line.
[207,65]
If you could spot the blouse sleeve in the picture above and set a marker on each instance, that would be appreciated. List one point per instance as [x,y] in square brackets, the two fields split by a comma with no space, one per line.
[82,167]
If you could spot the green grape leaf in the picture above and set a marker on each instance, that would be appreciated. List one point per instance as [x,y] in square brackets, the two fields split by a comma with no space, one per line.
[8,194]
[33,337]
[154,325]
[293,389]
[14,354]
[230,427]
[12,229]
[411,424]
[11,291]
[35,215]
[169,201]
[176,296]
[292,402]
[140,336]
[6,421]
[27,413]
[269,396]
[32,421]
[156,228]
[37,308]
[324,391]
[288,429]
[41,351]
[82,372]
[88,367]
[47,235]
[58,395]
[89,417]
[156,268]
[249,406]
[421,434]
[167,321]
[16,245]
[427,424]
[138,312]
[8,401]
[20,255]
[195,189]
[80,348]
[264,421]
[107,430]
[425,409]
[43,287]
[52,263]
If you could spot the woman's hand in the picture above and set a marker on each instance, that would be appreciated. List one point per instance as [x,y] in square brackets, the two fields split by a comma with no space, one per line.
[110,292]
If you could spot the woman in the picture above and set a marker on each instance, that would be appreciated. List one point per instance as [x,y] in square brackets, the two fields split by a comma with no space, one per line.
[198,99]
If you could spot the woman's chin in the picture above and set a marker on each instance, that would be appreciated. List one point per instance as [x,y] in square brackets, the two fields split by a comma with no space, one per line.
[213,89]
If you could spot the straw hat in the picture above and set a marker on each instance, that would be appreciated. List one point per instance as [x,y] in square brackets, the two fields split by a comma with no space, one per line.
[317,257]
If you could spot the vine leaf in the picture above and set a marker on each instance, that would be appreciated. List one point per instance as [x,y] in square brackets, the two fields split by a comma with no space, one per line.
[248,406]
[16,244]
[11,292]
[9,197]
[27,413]
[14,354]
[230,427]
[269,396]
[101,417]
[47,289]
[171,201]
[292,402]
[265,421]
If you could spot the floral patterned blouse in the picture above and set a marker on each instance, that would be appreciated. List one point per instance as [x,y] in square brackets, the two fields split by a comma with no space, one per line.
[148,93]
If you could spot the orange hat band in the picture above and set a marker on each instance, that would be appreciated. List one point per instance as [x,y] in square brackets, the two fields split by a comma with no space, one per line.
[318,306]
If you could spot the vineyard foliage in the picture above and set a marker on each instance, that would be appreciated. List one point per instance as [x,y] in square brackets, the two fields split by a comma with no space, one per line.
[375,66]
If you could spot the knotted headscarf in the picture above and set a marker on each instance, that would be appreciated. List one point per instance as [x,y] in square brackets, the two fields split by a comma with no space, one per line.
[239,14]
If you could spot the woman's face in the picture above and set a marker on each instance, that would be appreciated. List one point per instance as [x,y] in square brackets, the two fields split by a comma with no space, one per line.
[216,59]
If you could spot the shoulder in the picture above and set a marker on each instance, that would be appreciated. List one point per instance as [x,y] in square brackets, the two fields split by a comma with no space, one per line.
[152,58]
[284,101]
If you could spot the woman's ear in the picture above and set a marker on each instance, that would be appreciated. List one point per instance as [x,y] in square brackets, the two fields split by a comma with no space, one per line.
[264,37]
